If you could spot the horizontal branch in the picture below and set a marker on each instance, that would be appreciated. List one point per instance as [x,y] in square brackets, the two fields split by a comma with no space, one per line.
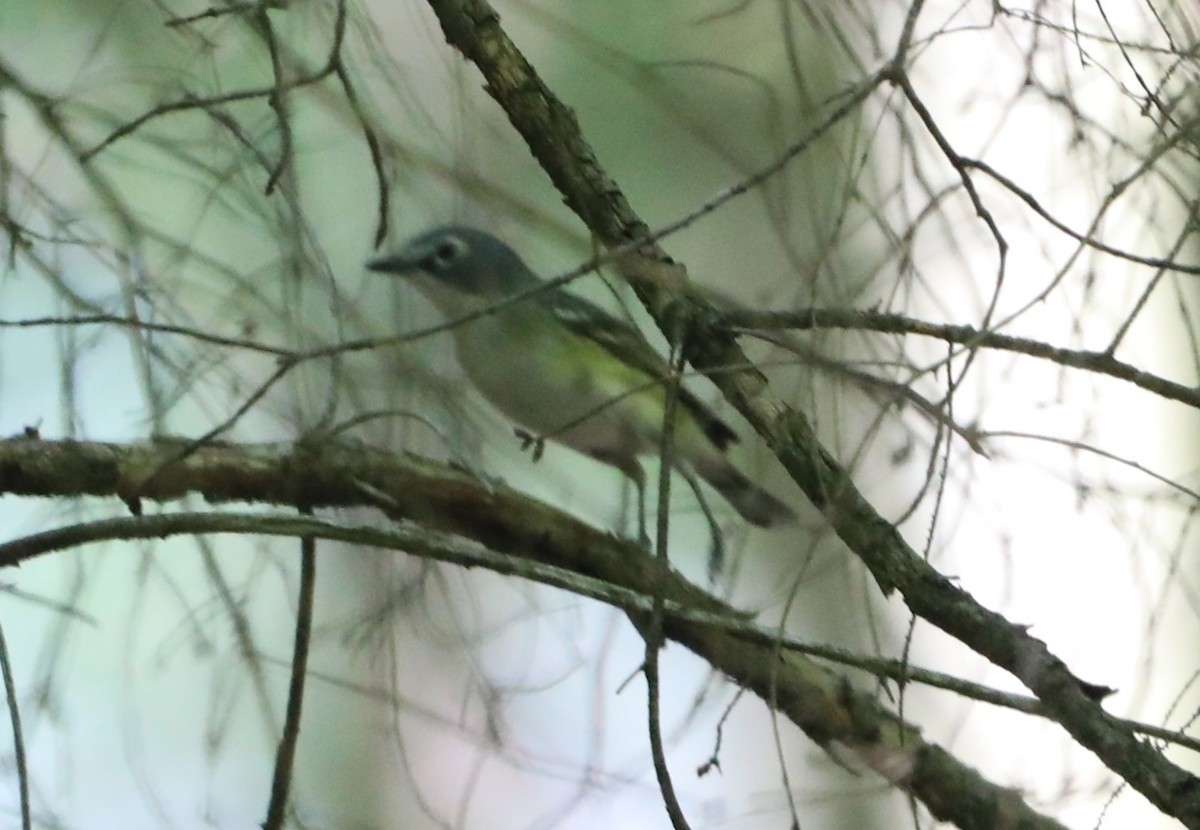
[509,533]
[1102,363]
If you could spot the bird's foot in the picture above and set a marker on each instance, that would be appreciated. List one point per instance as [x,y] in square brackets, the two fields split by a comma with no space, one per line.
[530,441]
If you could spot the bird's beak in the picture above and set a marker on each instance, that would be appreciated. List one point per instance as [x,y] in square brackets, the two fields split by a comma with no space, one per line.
[403,262]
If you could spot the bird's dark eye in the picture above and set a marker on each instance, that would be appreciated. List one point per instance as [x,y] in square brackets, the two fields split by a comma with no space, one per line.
[447,253]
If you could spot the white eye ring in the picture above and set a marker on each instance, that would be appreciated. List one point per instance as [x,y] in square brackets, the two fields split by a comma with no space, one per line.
[447,252]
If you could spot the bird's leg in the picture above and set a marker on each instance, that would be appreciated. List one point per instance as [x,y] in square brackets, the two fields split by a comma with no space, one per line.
[639,483]
[628,464]
[716,553]
[633,471]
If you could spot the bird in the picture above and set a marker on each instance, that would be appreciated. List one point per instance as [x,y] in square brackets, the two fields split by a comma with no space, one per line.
[565,370]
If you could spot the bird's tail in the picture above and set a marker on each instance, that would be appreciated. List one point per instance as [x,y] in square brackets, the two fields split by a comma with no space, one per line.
[755,504]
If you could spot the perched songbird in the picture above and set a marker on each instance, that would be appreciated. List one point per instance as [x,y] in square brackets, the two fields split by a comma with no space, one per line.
[565,370]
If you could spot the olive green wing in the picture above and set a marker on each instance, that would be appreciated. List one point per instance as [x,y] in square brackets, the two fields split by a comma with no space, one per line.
[628,345]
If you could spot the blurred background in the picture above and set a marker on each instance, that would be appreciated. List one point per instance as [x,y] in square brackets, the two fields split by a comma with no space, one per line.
[149,170]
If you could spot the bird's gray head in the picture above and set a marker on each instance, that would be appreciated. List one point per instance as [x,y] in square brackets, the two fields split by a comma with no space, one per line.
[462,259]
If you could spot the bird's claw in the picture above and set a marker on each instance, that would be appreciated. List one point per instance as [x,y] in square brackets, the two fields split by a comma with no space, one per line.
[528,440]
